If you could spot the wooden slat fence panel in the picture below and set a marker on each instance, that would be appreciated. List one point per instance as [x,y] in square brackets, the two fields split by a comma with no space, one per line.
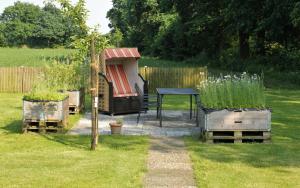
[18,79]
[21,79]
[173,77]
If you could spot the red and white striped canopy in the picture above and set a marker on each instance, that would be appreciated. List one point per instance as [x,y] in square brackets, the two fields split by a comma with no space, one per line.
[115,53]
[121,86]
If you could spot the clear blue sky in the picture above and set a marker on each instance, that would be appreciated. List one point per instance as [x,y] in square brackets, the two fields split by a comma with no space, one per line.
[97,11]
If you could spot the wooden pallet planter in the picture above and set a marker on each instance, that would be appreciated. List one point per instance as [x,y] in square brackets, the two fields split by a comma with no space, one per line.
[73,109]
[237,136]
[43,126]
[76,101]
[235,126]
[45,116]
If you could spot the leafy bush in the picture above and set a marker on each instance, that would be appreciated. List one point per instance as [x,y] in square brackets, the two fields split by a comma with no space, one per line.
[58,77]
[242,91]
[61,76]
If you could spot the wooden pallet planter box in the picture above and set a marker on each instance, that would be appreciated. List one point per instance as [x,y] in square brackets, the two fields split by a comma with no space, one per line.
[76,101]
[45,116]
[246,125]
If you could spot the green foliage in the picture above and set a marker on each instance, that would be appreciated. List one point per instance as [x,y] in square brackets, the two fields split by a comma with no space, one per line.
[233,92]
[295,15]
[116,37]
[44,96]
[50,29]
[57,77]
[184,29]
[28,24]
[2,37]
[76,15]
[120,121]
[61,76]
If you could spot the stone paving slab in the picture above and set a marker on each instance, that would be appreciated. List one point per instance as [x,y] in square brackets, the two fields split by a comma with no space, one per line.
[175,123]
[168,164]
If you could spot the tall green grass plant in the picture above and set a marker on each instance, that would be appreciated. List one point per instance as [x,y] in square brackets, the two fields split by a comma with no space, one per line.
[232,91]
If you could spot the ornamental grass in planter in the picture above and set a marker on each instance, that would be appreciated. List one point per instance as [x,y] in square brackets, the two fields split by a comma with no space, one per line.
[237,104]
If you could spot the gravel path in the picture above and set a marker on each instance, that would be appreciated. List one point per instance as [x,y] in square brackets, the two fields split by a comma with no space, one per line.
[168,164]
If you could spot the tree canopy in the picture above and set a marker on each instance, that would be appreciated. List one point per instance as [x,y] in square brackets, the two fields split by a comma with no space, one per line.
[181,29]
[31,25]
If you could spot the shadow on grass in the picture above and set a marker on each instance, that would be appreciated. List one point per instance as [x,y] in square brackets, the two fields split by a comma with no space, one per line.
[13,127]
[83,141]
[257,155]
[80,142]
[107,141]
[122,142]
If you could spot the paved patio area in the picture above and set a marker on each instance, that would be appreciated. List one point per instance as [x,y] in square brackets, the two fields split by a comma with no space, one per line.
[175,123]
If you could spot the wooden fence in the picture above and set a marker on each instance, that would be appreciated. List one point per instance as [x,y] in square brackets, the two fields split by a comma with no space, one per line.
[180,77]
[18,79]
[21,79]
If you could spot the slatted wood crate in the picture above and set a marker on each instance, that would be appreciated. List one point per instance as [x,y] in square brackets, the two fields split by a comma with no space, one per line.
[235,125]
[45,116]
[76,101]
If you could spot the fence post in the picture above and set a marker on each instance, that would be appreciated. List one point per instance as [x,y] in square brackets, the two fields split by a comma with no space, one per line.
[22,69]
[145,70]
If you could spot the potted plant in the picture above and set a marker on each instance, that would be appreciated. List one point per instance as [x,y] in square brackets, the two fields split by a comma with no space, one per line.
[116,126]
[233,109]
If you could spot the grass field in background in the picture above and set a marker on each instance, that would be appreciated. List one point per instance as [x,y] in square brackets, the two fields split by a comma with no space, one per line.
[15,57]
[57,160]
[255,165]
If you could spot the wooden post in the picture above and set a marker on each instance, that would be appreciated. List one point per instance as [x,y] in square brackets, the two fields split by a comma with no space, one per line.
[22,68]
[94,94]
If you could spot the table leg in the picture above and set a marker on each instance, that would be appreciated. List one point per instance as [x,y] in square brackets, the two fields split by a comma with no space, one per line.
[191,106]
[197,106]
[160,110]
[157,105]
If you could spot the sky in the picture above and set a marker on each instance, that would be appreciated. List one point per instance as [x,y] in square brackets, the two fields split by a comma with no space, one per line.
[96,16]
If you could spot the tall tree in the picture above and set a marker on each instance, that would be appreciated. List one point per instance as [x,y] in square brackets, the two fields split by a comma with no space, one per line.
[20,22]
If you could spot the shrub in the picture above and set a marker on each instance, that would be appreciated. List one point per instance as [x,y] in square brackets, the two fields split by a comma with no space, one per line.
[233,91]
[58,77]
[62,76]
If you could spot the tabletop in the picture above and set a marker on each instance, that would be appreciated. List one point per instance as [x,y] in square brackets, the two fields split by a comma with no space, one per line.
[176,91]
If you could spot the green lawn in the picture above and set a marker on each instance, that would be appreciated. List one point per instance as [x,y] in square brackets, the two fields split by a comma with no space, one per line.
[53,160]
[255,165]
[14,57]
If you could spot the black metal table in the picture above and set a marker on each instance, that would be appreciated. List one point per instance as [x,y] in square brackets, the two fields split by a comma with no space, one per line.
[176,91]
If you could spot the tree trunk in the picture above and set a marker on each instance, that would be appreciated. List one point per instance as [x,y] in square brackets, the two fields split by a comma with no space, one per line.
[260,42]
[94,93]
[244,44]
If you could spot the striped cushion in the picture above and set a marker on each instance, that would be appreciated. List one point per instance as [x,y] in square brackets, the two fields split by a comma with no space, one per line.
[121,86]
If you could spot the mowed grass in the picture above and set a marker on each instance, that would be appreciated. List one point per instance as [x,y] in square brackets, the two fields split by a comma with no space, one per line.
[255,165]
[15,57]
[57,160]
